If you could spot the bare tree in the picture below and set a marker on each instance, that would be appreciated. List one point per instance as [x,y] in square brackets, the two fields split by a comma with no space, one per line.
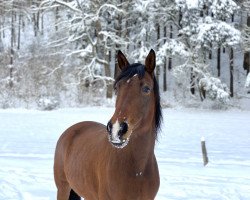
[92,29]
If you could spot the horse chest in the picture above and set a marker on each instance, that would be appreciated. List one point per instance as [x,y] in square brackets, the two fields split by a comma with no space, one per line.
[136,185]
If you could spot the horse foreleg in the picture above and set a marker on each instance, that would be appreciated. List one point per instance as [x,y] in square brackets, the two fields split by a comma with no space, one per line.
[63,192]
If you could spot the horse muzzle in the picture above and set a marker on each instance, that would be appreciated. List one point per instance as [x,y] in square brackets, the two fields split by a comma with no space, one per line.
[118,133]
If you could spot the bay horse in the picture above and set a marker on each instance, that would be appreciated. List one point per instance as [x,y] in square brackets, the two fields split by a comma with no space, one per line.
[117,161]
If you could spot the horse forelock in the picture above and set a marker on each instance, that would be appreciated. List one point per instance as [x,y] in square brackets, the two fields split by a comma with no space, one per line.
[139,69]
[130,71]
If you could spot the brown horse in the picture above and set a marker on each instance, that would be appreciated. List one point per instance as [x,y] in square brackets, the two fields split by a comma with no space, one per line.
[116,161]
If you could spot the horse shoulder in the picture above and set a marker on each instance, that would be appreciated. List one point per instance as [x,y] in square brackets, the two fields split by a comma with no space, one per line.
[79,150]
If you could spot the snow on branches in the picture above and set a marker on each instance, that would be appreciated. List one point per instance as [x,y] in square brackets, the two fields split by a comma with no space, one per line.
[184,29]
[92,35]
[203,25]
[214,89]
[207,31]
[212,33]
[223,9]
[172,47]
[187,4]
[219,33]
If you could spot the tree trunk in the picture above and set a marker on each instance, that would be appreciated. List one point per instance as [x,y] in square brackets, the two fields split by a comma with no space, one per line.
[218,61]
[192,85]
[180,19]
[12,39]
[165,76]
[109,91]
[169,63]
[170,59]
[158,37]
[248,21]
[118,27]
[210,52]
[35,19]
[57,17]
[42,24]
[165,65]
[19,31]
[231,72]
[246,63]
[34,24]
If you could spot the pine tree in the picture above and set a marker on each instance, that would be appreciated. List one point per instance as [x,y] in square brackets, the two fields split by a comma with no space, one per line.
[202,28]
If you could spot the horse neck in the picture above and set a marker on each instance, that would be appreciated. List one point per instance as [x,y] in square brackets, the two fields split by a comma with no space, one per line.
[140,151]
[143,149]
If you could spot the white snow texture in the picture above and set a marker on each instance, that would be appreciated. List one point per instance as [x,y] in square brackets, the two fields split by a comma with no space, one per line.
[28,139]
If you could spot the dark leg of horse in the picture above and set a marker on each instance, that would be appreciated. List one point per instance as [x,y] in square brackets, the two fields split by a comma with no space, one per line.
[74,196]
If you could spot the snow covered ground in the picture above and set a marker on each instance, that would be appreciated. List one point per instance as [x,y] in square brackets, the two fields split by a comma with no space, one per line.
[28,139]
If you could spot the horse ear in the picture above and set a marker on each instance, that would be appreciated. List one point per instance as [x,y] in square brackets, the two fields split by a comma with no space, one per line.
[122,60]
[150,62]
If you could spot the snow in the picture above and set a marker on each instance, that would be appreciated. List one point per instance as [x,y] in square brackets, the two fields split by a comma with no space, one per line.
[222,8]
[215,89]
[247,84]
[190,4]
[216,32]
[28,139]
[172,47]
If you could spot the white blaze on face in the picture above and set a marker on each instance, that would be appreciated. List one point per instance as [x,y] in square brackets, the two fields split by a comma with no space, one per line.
[115,130]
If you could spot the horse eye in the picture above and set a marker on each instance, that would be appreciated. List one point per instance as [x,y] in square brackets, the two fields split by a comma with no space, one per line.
[145,89]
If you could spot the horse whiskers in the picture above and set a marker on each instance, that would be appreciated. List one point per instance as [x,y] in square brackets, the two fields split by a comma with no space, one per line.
[136,125]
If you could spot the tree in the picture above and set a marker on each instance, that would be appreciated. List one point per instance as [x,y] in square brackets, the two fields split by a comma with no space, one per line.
[92,30]
[246,38]
[14,11]
[73,45]
[202,28]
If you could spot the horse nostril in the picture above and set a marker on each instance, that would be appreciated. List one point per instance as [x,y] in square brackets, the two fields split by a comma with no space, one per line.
[109,127]
[123,128]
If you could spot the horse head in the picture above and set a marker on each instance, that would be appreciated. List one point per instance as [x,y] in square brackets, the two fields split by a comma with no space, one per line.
[137,104]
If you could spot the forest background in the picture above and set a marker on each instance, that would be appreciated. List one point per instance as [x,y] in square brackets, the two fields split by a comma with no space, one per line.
[62,53]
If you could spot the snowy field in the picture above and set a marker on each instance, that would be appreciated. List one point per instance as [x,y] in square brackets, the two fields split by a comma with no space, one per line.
[28,139]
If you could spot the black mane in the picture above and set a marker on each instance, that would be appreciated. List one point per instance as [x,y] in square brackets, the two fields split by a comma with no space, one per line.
[130,71]
[139,69]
